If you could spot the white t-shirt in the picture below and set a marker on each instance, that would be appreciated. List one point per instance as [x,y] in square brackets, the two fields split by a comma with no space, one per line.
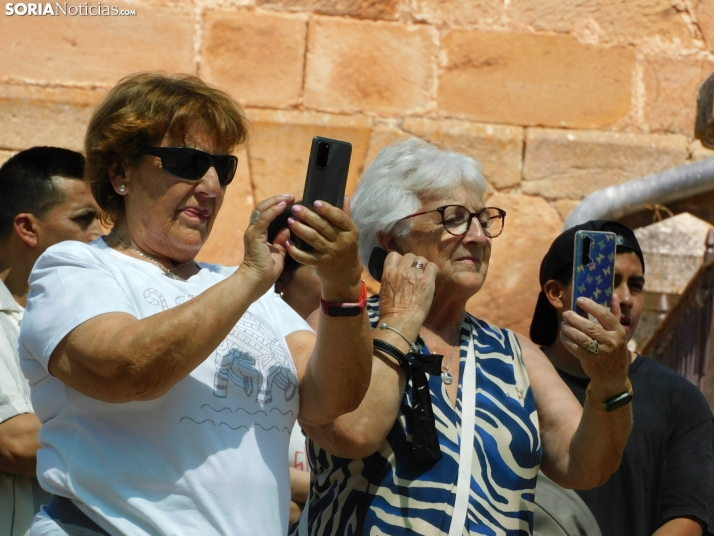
[208,457]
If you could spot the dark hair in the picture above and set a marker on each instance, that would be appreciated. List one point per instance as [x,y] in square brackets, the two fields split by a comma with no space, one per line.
[26,183]
[139,111]
[279,223]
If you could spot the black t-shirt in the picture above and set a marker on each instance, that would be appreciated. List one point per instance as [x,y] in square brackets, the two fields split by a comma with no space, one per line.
[667,470]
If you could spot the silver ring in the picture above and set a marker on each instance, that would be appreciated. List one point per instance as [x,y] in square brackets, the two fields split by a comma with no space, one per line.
[418,265]
[593,347]
[254,217]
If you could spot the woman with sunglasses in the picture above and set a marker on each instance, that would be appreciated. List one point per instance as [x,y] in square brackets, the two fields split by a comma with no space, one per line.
[459,414]
[168,388]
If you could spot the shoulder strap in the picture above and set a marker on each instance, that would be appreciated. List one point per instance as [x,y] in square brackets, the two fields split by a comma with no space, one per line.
[466,447]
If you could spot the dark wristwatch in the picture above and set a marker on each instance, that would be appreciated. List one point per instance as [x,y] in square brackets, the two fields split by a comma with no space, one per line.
[611,404]
[343,308]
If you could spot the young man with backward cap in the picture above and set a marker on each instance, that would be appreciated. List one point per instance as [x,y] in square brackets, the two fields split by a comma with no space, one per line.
[665,483]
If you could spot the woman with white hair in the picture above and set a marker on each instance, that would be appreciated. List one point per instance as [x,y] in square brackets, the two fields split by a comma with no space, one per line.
[460,414]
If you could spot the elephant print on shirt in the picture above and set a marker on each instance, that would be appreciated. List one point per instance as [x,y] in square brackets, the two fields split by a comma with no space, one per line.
[251,356]
[252,345]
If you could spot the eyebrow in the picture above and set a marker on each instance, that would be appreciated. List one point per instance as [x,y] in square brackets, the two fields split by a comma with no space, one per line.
[85,212]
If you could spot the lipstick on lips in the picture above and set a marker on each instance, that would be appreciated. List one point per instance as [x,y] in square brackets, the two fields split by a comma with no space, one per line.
[200,213]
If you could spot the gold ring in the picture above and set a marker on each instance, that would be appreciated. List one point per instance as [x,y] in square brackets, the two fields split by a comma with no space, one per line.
[593,347]
[418,265]
[254,217]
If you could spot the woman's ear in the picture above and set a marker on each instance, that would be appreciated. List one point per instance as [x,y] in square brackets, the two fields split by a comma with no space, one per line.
[118,176]
[554,291]
[388,242]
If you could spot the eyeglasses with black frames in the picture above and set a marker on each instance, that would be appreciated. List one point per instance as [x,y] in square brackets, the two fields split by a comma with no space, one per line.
[192,164]
[457,219]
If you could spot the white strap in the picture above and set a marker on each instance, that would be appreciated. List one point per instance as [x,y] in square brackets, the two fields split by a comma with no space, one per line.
[466,448]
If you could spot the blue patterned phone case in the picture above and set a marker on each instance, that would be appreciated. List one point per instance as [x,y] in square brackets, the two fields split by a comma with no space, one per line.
[594,268]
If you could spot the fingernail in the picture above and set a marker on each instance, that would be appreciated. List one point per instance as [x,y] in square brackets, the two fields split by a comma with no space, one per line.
[288,243]
[285,195]
[282,204]
[291,221]
[296,209]
[317,204]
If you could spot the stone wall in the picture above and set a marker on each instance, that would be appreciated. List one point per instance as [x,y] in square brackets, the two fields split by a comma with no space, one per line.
[557,98]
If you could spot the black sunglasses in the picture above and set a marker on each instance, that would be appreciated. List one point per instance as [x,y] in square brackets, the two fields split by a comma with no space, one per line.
[192,164]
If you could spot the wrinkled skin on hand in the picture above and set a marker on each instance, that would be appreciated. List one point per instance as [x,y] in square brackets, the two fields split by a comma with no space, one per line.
[407,291]
[609,366]
[334,238]
[261,258]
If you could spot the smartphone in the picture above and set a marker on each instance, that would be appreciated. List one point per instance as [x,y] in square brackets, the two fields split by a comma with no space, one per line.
[376,263]
[594,268]
[326,175]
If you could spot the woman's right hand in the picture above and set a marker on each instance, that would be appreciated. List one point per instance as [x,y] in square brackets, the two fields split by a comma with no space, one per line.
[262,260]
[407,289]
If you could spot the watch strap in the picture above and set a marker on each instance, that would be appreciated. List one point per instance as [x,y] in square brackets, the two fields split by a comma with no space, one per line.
[345,308]
[611,404]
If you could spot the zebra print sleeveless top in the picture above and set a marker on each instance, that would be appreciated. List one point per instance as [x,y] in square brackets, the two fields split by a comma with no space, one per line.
[388,493]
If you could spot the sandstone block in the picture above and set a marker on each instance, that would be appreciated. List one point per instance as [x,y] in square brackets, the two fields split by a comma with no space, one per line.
[33,115]
[225,244]
[97,49]
[509,295]
[572,164]
[614,19]
[705,21]
[671,86]
[381,137]
[457,12]
[527,79]
[673,250]
[257,57]
[697,152]
[5,156]
[564,207]
[279,148]
[362,9]
[375,67]
[499,148]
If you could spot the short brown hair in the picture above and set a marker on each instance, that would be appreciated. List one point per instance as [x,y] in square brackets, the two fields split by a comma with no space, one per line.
[139,111]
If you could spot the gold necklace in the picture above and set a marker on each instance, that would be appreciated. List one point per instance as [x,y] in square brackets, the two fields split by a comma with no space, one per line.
[167,272]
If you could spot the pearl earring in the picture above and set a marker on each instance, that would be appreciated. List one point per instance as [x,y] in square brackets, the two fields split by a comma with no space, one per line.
[122,188]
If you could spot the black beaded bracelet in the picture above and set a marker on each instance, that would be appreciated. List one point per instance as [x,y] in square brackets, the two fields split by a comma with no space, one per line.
[390,349]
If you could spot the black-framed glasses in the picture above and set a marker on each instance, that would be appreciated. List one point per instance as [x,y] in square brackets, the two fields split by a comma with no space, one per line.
[457,219]
[192,164]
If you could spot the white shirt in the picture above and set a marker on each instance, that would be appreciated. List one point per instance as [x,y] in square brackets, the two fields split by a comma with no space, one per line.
[20,496]
[208,457]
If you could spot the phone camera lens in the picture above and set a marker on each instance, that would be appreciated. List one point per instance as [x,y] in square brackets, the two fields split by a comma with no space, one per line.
[323,151]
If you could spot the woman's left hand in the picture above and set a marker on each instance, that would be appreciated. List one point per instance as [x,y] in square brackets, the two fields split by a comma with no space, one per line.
[335,255]
[608,366]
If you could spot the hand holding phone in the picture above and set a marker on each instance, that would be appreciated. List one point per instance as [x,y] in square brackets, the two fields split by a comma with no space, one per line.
[327,172]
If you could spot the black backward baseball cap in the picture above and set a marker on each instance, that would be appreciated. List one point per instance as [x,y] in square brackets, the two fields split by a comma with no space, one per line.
[544,325]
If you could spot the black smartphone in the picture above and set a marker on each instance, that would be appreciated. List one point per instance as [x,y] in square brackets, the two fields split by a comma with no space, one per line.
[376,263]
[326,175]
